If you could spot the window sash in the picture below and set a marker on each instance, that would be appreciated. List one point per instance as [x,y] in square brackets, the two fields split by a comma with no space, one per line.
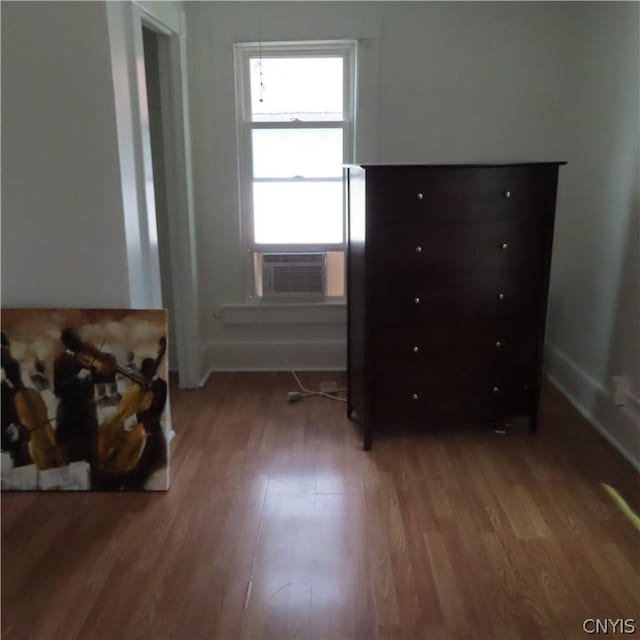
[247,128]
[344,49]
[298,213]
[245,125]
[319,94]
[250,221]
[297,124]
[282,153]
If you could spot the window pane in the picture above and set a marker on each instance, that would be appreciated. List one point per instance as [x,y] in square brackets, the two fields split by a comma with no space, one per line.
[310,153]
[288,88]
[297,212]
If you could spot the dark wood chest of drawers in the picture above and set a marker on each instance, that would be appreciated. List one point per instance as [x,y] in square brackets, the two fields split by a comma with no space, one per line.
[448,272]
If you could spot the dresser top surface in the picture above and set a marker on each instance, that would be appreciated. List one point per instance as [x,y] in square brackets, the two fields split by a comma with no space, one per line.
[451,165]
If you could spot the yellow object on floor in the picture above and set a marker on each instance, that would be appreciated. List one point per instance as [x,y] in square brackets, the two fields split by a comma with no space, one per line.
[623,505]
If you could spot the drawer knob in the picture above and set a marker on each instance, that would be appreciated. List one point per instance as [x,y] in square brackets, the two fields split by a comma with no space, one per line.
[416,349]
[501,297]
[507,194]
[496,389]
[418,249]
[504,246]
[498,344]
[419,196]
[414,396]
[416,300]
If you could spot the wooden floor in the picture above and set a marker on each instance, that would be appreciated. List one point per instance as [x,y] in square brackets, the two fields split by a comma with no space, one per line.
[278,525]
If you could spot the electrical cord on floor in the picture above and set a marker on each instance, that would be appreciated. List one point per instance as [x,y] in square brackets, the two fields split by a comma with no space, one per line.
[294,396]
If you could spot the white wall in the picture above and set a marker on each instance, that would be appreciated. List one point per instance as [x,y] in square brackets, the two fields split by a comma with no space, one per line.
[594,316]
[76,189]
[472,81]
[213,28]
[62,223]
[77,220]
[437,82]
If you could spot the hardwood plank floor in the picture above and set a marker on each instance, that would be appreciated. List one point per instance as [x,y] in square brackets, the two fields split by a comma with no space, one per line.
[278,525]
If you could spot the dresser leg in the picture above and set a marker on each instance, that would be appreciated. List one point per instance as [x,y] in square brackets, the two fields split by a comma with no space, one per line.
[533,423]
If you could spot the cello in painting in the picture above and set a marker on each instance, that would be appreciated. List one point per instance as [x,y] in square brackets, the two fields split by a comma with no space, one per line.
[31,412]
[123,437]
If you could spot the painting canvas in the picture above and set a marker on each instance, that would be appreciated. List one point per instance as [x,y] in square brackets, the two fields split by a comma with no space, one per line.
[84,400]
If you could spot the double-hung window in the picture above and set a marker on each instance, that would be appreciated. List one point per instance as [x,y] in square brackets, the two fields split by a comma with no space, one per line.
[295,104]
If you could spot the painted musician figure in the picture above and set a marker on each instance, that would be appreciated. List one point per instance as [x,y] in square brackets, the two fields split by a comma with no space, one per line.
[13,438]
[131,442]
[154,456]
[75,372]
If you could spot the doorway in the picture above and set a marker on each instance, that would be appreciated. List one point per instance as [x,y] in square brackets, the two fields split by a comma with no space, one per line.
[156,79]
[161,245]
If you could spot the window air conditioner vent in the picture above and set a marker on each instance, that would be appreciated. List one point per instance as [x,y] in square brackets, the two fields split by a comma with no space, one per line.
[293,274]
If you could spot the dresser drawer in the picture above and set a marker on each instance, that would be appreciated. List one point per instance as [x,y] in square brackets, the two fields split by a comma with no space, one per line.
[423,299]
[409,195]
[445,246]
[417,398]
[455,345]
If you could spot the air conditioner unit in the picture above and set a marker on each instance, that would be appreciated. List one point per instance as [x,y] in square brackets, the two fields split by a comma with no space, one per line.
[289,275]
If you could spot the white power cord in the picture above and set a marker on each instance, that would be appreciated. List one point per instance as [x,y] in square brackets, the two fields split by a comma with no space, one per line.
[294,396]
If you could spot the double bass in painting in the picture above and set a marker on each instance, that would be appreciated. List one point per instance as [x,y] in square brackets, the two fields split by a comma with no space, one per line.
[123,437]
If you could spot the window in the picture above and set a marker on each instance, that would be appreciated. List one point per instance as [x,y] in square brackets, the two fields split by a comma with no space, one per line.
[295,106]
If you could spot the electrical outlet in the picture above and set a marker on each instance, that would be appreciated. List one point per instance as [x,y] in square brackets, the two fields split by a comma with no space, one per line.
[620,390]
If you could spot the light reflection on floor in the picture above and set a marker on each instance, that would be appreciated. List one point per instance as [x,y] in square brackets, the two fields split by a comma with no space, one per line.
[302,561]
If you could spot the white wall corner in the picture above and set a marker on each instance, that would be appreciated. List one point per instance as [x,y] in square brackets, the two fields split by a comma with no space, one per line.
[619,425]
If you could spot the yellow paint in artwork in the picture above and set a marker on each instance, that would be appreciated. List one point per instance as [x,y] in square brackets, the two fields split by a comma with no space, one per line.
[623,505]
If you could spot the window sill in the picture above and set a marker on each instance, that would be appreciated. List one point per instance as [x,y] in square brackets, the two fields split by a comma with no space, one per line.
[284,313]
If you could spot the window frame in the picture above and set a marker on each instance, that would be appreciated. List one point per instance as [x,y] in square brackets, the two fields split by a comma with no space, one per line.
[243,53]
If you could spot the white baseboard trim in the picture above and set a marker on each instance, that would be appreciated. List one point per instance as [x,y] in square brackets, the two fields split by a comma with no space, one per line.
[619,425]
[275,355]
[205,378]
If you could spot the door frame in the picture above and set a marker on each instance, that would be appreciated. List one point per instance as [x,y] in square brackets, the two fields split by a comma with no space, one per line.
[178,176]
